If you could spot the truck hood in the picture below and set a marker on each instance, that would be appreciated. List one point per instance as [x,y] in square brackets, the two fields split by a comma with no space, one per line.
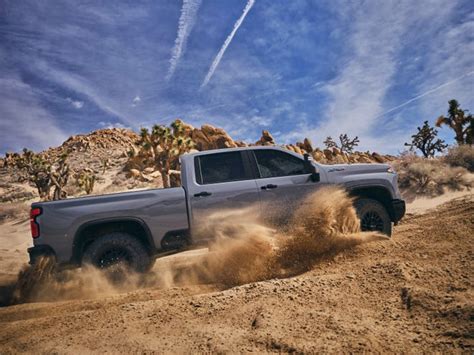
[349,169]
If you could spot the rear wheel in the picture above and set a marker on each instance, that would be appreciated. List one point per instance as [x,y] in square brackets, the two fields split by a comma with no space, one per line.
[118,250]
[373,216]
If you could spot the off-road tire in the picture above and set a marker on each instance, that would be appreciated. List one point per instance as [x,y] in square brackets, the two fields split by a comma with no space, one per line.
[118,247]
[373,216]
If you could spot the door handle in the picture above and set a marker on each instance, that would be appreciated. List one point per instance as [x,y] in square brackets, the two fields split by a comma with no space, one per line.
[269,186]
[203,194]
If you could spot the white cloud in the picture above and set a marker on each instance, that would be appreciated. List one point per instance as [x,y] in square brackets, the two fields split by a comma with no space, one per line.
[103,124]
[24,122]
[356,96]
[75,103]
[136,100]
[451,56]
[82,86]
[227,41]
[186,23]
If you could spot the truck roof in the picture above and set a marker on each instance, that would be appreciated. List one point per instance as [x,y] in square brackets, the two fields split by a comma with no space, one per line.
[211,151]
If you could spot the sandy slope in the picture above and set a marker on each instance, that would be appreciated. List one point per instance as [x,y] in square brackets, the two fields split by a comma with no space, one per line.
[413,293]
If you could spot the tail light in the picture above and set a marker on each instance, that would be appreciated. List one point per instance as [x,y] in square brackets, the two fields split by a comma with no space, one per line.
[35,229]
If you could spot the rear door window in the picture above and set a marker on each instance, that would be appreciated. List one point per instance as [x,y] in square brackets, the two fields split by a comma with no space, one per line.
[274,163]
[220,167]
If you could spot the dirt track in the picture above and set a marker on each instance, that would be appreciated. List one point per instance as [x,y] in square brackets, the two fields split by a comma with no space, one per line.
[411,294]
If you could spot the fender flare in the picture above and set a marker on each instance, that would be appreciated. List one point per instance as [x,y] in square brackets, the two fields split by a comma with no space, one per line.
[77,245]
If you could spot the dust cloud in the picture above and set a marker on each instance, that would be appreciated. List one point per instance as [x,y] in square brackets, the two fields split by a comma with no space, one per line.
[245,250]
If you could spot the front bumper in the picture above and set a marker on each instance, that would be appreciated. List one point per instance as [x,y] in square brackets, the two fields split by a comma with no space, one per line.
[398,209]
[39,251]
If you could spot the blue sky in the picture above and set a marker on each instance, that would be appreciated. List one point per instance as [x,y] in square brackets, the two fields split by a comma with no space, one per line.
[375,69]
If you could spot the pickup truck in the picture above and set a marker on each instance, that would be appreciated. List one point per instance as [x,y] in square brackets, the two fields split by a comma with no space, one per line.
[136,227]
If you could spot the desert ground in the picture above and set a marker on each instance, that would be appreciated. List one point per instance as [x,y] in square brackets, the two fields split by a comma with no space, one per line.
[412,293]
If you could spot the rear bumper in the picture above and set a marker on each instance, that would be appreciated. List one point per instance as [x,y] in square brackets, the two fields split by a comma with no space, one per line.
[39,251]
[398,209]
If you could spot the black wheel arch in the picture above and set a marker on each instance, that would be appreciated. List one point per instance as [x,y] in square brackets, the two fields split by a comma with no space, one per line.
[378,193]
[90,231]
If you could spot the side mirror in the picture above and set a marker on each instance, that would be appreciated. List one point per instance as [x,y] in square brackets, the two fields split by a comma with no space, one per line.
[310,168]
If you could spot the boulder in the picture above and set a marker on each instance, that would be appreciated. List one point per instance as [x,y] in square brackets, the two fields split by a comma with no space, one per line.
[318,156]
[307,145]
[364,158]
[328,154]
[210,137]
[135,173]
[200,139]
[298,150]
[265,139]
[378,158]
[155,174]
[240,144]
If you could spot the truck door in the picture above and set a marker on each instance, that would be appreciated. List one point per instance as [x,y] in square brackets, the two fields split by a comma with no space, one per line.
[222,181]
[283,182]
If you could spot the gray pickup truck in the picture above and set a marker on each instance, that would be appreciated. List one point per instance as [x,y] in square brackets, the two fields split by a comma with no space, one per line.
[136,227]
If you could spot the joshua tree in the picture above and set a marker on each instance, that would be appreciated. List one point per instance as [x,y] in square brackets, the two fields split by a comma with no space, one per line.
[330,143]
[425,140]
[470,131]
[43,174]
[459,121]
[86,180]
[11,159]
[347,145]
[37,171]
[163,146]
[59,175]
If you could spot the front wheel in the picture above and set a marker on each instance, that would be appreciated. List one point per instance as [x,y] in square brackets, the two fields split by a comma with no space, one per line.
[116,250]
[373,216]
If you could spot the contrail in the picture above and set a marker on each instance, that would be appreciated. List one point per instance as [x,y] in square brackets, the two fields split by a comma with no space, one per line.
[426,93]
[219,55]
[187,20]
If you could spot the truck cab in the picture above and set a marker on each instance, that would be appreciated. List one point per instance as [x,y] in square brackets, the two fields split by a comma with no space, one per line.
[272,180]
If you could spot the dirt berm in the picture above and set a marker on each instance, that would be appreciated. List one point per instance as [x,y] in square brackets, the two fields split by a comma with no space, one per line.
[412,293]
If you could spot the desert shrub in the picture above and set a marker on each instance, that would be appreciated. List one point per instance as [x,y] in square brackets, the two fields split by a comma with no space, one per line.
[462,156]
[429,176]
[85,180]
[14,210]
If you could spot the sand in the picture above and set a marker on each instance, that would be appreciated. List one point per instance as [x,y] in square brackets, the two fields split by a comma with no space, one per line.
[410,294]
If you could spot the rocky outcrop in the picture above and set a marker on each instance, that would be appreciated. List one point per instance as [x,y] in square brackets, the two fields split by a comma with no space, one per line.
[110,138]
[210,137]
[265,139]
[307,146]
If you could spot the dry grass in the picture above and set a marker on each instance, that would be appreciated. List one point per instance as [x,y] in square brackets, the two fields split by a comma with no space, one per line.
[14,211]
[462,156]
[431,177]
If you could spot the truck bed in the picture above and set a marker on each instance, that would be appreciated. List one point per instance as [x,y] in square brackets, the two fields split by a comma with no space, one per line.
[162,210]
